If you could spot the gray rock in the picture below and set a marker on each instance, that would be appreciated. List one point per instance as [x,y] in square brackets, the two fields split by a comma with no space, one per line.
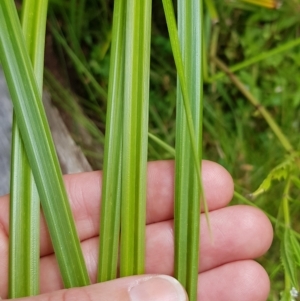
[70,155]
[5,135]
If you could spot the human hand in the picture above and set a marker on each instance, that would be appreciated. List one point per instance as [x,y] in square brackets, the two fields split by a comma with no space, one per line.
[226,273]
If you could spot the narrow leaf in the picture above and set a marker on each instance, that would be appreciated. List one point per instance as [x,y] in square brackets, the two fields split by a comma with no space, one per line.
[135,138]
[81,68]
[112,169]
[36,135]
[24,245]
[188,190]
[173,33]
[162,144]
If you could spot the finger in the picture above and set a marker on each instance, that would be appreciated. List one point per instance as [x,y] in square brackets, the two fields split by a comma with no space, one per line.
[239,233]
[217,183]
[3,263]
[136,288]
[241,280]
[85,192]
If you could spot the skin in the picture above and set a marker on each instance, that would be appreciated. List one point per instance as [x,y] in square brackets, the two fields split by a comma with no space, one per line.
[227,271]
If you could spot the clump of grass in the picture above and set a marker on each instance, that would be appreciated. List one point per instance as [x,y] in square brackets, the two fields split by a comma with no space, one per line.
[124,183]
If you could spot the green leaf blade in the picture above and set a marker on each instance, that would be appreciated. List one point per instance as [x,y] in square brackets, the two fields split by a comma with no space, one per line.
[24,256]
[39,147]
[188,186]
[111,193]
[135,129]
[24,231]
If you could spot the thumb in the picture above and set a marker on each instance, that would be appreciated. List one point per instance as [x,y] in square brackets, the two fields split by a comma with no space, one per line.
[135,288]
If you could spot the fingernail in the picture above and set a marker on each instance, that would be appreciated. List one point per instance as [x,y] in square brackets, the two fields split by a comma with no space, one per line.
[157,288]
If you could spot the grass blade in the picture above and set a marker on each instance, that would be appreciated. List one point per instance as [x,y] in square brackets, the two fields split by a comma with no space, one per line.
[81,68]
[24,247]
[64,99]
[171,23]
[77,9]
[127,128]
[162,144]
[24,203]
[111,191]
[135,138]
[39,147]
[188,191]
[192,23]
[34,16]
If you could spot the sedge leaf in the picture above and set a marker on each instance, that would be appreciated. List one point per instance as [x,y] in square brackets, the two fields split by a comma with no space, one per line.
[135,138]
[188,190]
[36,136]
[24,242]
[187,51]
[111,190]
[173,33]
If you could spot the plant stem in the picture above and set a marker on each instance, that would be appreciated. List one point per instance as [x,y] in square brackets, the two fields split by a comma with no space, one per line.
[287,254]
[285,203]
[267,116]
[161,143]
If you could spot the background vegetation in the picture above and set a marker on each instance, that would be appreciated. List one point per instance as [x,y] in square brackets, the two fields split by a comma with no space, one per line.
[235,134]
